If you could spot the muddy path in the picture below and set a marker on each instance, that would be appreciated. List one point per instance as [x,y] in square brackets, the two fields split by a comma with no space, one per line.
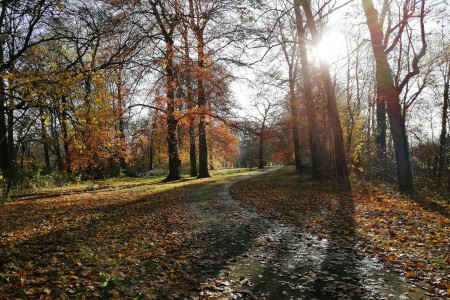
[240,254]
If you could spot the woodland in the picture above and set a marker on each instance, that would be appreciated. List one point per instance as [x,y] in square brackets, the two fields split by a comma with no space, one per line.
[123,122]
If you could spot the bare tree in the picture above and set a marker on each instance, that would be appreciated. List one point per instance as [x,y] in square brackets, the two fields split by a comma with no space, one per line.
[342,174]
[388,93]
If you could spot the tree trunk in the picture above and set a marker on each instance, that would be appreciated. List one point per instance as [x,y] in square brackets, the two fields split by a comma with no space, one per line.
[202,140]
[151,155]
[339,149]
[443,143]
[211,156]
[121,122]
[386,90]
[172,122]
[55,137]
[293,101]
[190,102]
[295,130]
[192,149]
[44,140]
[314,137]
[380,133]
[293,98]
[152,145]
[12,152]
[65,135]
[261,154]
[5,158]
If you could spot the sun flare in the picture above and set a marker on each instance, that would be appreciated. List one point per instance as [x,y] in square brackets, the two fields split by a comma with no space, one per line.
[331,47]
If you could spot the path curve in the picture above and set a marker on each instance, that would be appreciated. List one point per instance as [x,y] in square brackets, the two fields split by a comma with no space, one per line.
[242,254]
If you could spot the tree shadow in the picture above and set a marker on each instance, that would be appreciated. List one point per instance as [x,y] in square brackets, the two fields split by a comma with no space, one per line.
[317,268]
[109,248]
[295,263]
[339,276]
[430,205]
[227,236]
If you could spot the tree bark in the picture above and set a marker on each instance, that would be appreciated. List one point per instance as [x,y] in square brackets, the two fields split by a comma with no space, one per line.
[65,135]
[172,122]
[387,90]
[342,174]
[167,26]
[121,121]
[5,158]
[152,145]
[10,113]
[56,137]
[295,126]
[192,149]
[380,132]
[190,104]
[443,143]
[202,140]
[261,154]
[314,138]
[293,98]
[201,95]
[44,139]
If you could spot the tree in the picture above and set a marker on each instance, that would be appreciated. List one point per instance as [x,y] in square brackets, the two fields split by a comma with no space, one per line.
[24,26]
[290,52]
[314,139]
[387,91]
[198,25]
[167,23]
[263,124]
[443,137]
[342,174]
[188,79]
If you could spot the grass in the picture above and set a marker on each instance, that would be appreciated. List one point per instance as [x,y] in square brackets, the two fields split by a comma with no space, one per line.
[113,183]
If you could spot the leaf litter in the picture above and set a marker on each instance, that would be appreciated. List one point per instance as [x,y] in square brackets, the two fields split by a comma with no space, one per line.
[193,240]
[409,236]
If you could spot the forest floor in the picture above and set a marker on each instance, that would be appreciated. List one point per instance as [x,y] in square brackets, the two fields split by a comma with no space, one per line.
[234,236]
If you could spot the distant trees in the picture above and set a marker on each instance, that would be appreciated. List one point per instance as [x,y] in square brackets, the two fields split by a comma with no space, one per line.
[24,25]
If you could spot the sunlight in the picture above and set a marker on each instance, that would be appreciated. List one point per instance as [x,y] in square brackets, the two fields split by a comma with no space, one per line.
[331,47]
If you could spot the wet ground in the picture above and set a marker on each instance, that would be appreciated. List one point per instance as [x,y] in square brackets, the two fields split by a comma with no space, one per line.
[241,254]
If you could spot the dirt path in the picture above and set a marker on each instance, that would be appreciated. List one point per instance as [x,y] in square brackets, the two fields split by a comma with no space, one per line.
[241,254]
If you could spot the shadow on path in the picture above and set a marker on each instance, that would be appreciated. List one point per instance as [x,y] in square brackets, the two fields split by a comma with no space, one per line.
[241,254]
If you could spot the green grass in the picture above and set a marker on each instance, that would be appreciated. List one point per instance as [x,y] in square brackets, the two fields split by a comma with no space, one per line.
[129,182]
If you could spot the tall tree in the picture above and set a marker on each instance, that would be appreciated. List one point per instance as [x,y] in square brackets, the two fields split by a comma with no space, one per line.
[443,137]
[167,23]
[314,138]
[387,90]
[290,52]
[200,15]
[188,78]
[342,174]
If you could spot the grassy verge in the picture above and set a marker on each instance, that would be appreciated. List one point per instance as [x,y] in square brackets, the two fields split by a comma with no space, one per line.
[47,190]
[410,235]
